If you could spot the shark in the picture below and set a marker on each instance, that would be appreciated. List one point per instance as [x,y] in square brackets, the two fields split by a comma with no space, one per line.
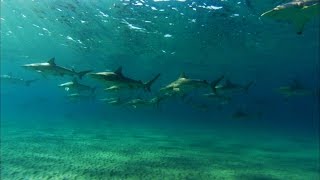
[293,89]
[75,86]
[197,103]
[113,101]
[120,81]
[76,97]
[297,12]
[231,88]
[220,99]
[113,89]
[244,115]
[9,79]
[139,102]
[50,67]
[183,85]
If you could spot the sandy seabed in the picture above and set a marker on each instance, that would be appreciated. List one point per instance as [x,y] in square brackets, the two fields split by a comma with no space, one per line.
[119,152]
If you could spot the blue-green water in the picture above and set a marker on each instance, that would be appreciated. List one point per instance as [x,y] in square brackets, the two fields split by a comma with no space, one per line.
[47,135]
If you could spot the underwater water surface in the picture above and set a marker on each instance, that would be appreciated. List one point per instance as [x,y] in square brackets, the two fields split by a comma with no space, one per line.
[159,89]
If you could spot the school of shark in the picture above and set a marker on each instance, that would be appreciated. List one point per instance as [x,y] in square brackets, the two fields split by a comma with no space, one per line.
[219,91]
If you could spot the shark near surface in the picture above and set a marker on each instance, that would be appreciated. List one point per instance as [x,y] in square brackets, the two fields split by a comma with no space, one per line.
[297,12]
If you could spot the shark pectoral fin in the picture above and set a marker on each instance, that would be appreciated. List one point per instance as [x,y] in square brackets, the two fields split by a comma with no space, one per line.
[134,106]
[66,89]
[43,75]
[299,25]
[306,13]
[28,82]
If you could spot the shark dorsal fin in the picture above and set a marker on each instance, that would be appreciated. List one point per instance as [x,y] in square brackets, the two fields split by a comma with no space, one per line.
[183,75]
[228,82]
[51,61]
[119,71]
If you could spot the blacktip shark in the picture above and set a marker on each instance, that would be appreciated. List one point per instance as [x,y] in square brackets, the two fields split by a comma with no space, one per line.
[113,89]
[199,105]
[119,81]
[220,99]
[293,89]
[231,88]
[50,67]
[297,12]
[244,115]
[139,102]
[113,101]
[184,85]
[9,79]
[75,86]
[80,97]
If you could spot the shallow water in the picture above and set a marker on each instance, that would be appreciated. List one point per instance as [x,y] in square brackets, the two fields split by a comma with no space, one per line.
[258,134]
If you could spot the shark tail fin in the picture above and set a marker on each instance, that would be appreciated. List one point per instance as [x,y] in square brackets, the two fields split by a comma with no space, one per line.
[247,86]
[148,85]
[82,73]
[215,83]
[28,82]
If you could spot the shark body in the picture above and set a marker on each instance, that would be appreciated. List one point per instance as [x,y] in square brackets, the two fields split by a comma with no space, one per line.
[51,68]
[293,89]
[75,86]
[231,88]
[118,81]
[184,85]
[297,12]
[9,79]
